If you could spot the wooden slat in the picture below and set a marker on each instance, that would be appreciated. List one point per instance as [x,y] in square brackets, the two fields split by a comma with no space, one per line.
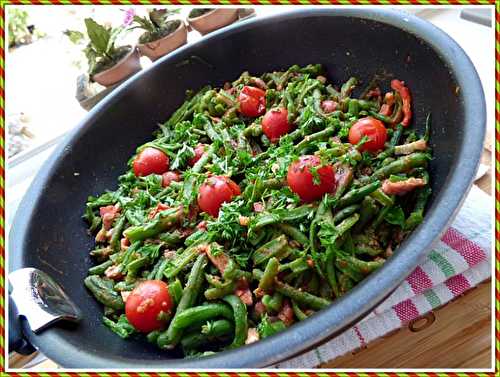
[459,337]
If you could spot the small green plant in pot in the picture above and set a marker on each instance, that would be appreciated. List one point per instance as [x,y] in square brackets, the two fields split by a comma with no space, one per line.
[161,34]
[206,20]
[109,63]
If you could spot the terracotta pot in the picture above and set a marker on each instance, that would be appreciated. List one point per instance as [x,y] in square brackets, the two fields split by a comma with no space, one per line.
[126,67]
[213,20]
[163,46]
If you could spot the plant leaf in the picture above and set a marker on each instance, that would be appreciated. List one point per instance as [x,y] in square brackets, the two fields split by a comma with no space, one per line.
[99,36]
[395,216]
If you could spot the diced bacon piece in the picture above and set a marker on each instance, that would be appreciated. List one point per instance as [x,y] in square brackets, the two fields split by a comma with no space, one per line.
[258,207]
[374,93]
[160,207]
[286,313]
[328,106]
[402,187]
[259,308]
[101,236]
[202,225]
[252,335]
[243,291]
[386,108]
[113,272]
[258,82]
[244,220]
[124,243]
[169,254]
[125,295]
[220,260]
[109,214]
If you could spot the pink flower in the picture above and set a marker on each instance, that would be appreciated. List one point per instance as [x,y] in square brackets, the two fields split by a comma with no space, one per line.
[129,16]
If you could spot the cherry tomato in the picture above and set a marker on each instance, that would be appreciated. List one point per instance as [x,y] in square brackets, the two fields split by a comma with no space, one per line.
[199,151]
[215,191]
[329,106]
[373,129]
[169,177]
[252,101]
[305,184]
[150,161]
[148,305]
[275,123]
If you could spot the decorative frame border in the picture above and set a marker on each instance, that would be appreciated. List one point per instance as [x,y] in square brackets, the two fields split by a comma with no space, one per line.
[4,3]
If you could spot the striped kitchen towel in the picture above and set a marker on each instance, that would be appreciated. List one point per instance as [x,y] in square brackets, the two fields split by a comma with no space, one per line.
[460,261]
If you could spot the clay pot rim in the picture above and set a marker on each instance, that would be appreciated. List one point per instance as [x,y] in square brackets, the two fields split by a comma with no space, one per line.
[206,14]
[181,25]
[133,50]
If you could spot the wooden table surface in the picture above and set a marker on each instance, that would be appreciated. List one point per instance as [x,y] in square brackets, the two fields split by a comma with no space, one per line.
[458,335]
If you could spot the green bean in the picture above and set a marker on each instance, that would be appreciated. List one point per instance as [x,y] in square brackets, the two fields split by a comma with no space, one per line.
[271,249]
[313,284]
[188,188]
[271,271]
[382,197]
[353,107]
[152,337]
[102,289]
[294,233]
[401,165]
[396,136]
[134,266]
[357,194]
[175,290]
[161,222]
[362,267]
[180,261]
[152,274]
[349,270]
[196,339]
[368,249]
[345,283]
[161,269]
[186,109]
[240,320]
[348,87]
[301,316]
[172,335]
[171,238]
[200,314]
[345,212]
[101,253]
[380,117]
[274,302]
[331,275]
[283,215]
[320,135]
[302,298]
[380,217]
[117,234]
[124,286]
[416,216]
[297,265]
[428,121]
[220,292]
[99,269]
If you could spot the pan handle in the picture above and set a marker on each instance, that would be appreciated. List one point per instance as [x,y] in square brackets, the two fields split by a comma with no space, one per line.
[41,301]
[17,342]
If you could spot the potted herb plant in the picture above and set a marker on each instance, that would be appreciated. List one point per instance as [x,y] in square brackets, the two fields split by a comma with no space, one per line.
[161,35]
[108,63]
[205,20]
